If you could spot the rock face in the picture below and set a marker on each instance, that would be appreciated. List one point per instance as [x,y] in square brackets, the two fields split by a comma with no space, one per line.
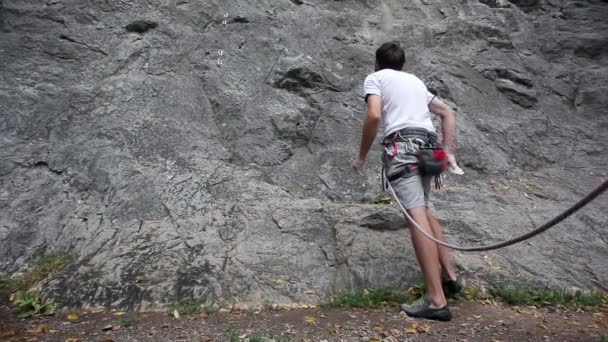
[201,150]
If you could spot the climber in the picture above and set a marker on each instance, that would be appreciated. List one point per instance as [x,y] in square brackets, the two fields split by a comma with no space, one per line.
[404,104]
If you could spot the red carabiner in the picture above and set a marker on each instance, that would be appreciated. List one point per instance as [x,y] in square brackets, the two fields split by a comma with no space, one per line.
[394,149]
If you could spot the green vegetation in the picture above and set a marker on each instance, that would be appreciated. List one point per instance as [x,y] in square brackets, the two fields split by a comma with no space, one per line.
[232,335]
[43,267]
[7,283]
[188,309]
[371,298]
[382,200]
[211,309]
[129,322]
[547,297]
[375,298]
[32,303]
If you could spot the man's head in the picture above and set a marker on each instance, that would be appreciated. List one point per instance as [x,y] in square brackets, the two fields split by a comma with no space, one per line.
[390,55]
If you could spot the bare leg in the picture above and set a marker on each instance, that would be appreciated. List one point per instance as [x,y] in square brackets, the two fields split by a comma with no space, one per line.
[428,258]
[444,255]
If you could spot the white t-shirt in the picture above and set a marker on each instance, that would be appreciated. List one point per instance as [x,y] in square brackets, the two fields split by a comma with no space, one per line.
[405,100]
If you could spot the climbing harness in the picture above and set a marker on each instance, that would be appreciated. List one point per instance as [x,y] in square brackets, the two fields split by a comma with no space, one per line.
[557,219]
[428,158]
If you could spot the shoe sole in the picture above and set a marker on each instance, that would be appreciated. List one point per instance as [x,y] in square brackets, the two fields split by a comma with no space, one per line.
[432,316]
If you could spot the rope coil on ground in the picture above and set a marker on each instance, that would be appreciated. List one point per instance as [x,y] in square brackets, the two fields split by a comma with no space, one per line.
[557,219]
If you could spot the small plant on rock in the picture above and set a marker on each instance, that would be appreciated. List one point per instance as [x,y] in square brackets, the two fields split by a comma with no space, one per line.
[43,267]
[188,309]
[32,303]
[232,335]
[129,322]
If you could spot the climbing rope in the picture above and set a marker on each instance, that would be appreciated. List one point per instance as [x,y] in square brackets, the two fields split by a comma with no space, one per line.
[557,219]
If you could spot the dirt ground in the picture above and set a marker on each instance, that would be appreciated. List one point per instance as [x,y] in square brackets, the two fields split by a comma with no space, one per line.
[473,321]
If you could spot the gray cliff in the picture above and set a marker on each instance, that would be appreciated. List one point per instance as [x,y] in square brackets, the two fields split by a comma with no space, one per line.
[168,176]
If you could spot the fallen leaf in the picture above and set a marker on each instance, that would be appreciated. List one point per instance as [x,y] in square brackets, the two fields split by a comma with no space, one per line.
[309,319]
[477,317]
[7,333]
[119,313]
[488,301]
[423,328]
[40,329]
[279,281]
[378,329]
[106,340]
[310,292]
[72,339]
[12,297]
[411,329]
[73,316]
[107,328]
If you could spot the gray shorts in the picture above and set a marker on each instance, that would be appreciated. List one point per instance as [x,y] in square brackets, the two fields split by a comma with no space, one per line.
[412,190]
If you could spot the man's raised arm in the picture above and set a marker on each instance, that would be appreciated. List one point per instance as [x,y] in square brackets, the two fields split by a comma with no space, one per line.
[448,124]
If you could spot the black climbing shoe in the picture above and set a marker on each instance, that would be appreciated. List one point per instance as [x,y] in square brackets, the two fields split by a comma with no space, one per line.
[422,309]
[451,287]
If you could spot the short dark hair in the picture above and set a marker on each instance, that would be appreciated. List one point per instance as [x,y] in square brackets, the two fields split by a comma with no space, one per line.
[390,55]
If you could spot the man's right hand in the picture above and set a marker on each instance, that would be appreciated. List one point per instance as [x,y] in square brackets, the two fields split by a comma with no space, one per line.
[358,165]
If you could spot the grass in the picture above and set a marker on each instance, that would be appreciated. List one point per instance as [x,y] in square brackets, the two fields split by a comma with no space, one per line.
[8,283]
[188,309]
[43,267]
[548,297]
[376,298]
[232,335]
[370,298]
[32,303]
[382,200]
[129,322]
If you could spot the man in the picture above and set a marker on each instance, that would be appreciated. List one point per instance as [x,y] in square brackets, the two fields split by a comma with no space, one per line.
[405,105]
